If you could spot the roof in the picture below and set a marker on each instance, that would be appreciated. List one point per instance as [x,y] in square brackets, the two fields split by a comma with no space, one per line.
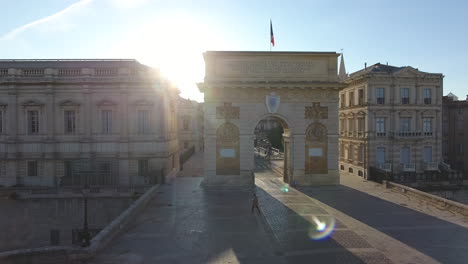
[71,63]
[210,52]
[376,68]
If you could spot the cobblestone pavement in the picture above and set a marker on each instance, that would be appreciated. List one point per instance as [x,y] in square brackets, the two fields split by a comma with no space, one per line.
[291,216]
[188,224]
[193,167]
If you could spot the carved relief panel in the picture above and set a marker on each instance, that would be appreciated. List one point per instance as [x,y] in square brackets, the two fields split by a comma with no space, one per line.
[316,151]
[227,150]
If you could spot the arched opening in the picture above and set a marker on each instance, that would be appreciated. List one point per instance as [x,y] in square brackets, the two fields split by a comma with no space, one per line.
[272,145]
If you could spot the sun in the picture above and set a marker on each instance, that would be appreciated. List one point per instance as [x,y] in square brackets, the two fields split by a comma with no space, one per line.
[175,45]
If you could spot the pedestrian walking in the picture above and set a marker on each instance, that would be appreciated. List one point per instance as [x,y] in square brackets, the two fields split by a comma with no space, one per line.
[255,204]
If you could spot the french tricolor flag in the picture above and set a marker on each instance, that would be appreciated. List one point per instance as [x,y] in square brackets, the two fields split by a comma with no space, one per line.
[272,37]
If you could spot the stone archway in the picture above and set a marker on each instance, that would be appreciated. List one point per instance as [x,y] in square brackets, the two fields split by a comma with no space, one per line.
[241,88]
[288,159]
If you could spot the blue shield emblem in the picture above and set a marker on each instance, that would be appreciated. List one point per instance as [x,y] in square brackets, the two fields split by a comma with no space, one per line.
[272,102]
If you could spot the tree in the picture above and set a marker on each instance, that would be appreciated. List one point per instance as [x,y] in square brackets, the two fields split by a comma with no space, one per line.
[275,136]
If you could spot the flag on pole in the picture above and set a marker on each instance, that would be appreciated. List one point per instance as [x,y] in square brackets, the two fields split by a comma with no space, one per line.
[272,37]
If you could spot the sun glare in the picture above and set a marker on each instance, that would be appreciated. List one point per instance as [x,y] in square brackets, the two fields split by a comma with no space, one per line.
[174,45]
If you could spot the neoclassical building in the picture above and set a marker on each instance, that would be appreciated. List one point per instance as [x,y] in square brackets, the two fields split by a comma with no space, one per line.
[190,124]
[390,118]
[67,122]
[455,132]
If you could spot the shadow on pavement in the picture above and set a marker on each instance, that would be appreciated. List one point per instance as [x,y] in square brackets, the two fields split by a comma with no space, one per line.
[441,240]
[291,231]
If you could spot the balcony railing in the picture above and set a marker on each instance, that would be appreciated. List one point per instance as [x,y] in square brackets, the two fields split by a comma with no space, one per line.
[405,100]
[413,134]
[408,134]
[431,166]
[409,167]
[381,134]
[385,167]
[380,100]
[427,100]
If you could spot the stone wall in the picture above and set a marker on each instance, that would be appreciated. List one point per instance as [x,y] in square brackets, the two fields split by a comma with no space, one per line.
[29,221]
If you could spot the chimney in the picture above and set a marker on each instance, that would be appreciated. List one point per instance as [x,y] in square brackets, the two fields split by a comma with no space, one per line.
[365,65]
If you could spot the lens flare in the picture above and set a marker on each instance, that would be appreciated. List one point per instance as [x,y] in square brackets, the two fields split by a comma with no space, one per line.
[321,227]
[285,188]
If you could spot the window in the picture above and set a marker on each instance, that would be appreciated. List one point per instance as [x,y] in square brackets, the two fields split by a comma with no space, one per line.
[427,94]
[380,155]
[460,148]
[404,95]
[186,124]
[68,168]
[1,121]
[106,121]
[351,125]
[405,124]
[33,121]
[361,153]
[380,95]
[32,168]
[405,155]
[361,97]
[351,98]
[105,167]
[427,125]
[380,126]
[427,154]
[343,100]
[143,121]
[142,167]
[70,121]
[360,124]
[343,125]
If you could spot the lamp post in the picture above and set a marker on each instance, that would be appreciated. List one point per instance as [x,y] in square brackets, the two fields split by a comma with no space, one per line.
[85,236]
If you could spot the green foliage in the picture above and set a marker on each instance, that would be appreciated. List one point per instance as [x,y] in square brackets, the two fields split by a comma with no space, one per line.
[275,136]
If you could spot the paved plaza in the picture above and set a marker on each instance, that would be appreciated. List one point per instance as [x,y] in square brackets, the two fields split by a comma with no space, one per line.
[188,224]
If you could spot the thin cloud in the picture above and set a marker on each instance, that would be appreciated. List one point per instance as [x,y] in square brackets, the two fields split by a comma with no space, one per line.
[13,33]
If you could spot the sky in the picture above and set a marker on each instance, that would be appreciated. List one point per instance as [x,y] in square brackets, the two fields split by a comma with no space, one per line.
[172,35]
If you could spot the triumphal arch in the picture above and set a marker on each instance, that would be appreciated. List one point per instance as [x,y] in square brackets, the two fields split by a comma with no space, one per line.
[299,89]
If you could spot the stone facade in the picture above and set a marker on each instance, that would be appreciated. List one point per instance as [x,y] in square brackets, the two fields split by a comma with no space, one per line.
[190,124]
[112,122]
[242,88]
[390,118]
[455,133]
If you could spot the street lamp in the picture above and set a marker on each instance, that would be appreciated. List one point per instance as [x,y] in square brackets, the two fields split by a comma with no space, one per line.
[85,236]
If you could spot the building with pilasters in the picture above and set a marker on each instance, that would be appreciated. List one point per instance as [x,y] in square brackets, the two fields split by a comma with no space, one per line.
[390,119]
[455,133]
[190,125]
[71,122]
